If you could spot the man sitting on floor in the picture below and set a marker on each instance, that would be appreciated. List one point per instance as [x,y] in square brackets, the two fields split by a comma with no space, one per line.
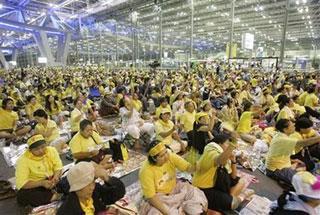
[282,146]
[163,194]
[87,145]
[38,172]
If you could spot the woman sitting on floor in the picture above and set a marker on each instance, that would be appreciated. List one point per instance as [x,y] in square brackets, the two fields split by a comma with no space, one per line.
[54,108]
[9,119]
[216,175]
[133,123]
[166,132]
[38,172]
[49,130]
[87,197]
[162,193]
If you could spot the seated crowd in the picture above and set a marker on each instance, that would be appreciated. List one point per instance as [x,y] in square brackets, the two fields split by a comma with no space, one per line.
[186,121]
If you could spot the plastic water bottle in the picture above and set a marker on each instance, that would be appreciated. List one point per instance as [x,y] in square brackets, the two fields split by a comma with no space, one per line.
[151,106]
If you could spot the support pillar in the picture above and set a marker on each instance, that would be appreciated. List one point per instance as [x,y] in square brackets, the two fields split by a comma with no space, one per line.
[191,33]
[3,61]
[43,44]
[284,33]
[63,48]
[231,29]
[160,38]
[14,55]
[117,51]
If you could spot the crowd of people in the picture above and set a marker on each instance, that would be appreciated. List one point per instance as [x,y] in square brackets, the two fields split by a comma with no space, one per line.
[190,121]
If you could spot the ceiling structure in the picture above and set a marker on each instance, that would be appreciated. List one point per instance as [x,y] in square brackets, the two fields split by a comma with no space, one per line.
[94,24]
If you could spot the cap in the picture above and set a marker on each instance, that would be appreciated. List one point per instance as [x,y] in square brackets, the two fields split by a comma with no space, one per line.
[199,115]
[35,141]
[157,149]
[165,110]
[80,175]
[306,184]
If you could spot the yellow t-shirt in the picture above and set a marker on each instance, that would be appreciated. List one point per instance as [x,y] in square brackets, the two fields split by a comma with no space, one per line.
[55,109]
[161,127]
[281,148]
[205,175]
[137,104]
[161,179]
[88,207]
[30,109]
[299,136]
[298,108]
[75,124]
[311,100]
[245,121]
[8,119]
[285,113]
[32,168]
[187,119]
[81,144]
[51,125]
[302,98]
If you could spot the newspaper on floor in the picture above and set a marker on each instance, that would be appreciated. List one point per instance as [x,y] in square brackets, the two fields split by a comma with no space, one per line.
[134,163]
[257,206]
[12,153]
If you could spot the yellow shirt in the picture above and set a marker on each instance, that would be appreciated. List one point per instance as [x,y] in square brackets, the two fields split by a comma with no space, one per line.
[32,168]
[311,100]
[30,109]
[286,113]
[81,144]
[51,125]
[281,148]
[55,109]
[299,136]
[8,119]
[187,119]
[245,121]
[205,176]
[75,124]
[302,98]
[161,127]
[161,179]
[88,207]
[298,108]
[136,104]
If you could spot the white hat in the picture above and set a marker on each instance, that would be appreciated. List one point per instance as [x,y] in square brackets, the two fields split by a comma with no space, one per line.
[80,175]
[306,184]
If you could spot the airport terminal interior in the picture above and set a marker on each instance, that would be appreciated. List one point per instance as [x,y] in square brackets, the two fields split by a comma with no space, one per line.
[150,107]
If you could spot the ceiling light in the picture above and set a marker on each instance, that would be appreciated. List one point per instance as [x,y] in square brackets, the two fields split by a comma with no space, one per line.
[270,21]
[297,2]
[1,6]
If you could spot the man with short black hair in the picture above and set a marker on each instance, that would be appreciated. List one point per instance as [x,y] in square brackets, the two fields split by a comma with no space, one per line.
[281,148]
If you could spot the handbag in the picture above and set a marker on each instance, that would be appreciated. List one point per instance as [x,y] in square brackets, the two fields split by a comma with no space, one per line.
[119,150]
